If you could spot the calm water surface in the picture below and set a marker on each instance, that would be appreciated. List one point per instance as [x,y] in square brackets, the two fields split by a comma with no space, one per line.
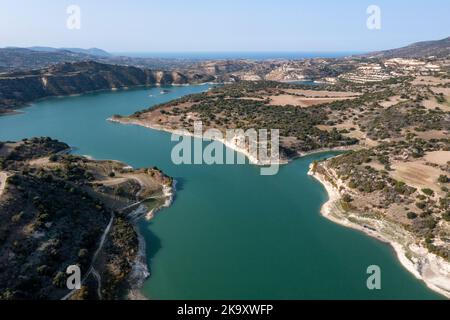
[230,233]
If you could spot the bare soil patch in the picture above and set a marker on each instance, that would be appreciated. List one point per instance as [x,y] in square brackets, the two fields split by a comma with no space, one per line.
[417,174]
[438,157]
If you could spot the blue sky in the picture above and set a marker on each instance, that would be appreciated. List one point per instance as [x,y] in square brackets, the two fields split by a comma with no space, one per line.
[232,25]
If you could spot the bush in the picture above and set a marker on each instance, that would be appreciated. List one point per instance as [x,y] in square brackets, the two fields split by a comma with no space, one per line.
[352,184]
[443,178]
[428,191]
[42,269]
[82,253]
[446,216]
[347,198]
[411,215]
[431,223]
[59,280]
[421,205]
[17,217]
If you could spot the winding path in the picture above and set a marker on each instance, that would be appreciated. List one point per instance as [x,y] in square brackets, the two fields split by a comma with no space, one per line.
[92,269]
[94,259]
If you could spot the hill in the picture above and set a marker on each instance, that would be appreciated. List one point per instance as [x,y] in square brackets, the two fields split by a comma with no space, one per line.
[437,48]
[90,51]
[21,87]
[57,208]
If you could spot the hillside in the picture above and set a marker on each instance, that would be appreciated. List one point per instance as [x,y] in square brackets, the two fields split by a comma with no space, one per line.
[55,209]
[393,185]
[437,48]
[90,51]
[25,59]
[18,88]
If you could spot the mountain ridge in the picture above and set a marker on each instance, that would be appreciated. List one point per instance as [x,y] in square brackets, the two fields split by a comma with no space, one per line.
[437,48]
[89,51]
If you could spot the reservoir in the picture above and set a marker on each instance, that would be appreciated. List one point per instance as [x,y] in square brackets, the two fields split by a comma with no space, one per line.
[230,233]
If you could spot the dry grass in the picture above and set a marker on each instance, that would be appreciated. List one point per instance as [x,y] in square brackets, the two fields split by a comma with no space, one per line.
[307,98]
[438,157]
[322,94]
[432,134]
[417,174]
[429,80]
[391,102]
[432,104]
[304,102]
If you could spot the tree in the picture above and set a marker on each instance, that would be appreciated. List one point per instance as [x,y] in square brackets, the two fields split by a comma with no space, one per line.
[411,215]
[428,191]
[59,280]
[446,216]
[443,178]
[347,198]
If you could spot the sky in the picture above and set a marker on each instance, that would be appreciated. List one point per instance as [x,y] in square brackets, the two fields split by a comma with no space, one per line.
[217,26]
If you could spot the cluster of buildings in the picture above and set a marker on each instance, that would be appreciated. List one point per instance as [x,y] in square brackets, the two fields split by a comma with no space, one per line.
[367,72]
[374,72]
[412,66]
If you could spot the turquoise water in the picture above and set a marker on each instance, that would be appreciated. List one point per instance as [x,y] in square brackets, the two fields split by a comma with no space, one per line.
[230,233]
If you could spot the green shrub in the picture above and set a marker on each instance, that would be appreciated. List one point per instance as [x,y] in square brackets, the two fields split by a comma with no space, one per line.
[443,178]
[428,191]
[446,216]
[59,280]
[347,198]
[411,215]
[421,205]
[17,217]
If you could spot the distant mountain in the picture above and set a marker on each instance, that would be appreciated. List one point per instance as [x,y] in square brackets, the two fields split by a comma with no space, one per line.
[20,59]
[92,51]
[25,59]
[437,48]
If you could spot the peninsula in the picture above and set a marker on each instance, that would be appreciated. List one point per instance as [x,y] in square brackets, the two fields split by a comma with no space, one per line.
[60,209]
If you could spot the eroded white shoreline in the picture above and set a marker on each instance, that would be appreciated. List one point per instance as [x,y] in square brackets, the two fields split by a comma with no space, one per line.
[140,272]
[227,143]
[429,268]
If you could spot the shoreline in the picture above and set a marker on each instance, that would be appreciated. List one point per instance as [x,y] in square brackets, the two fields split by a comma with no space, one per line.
[424,269]
[228,144]
[18,109]
[140,270]
[427,264]
[225,142]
